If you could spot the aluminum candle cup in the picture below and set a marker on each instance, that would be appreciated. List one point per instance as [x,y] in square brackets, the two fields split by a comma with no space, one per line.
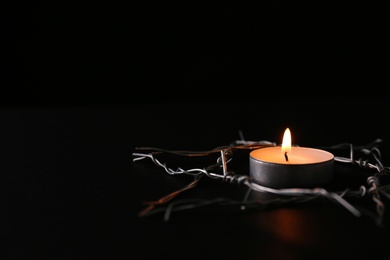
[300,168]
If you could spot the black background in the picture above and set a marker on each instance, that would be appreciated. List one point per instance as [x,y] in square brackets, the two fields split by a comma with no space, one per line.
[98,52]
[85,83]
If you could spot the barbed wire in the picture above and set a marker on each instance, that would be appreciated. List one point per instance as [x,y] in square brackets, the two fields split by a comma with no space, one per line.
[372,160]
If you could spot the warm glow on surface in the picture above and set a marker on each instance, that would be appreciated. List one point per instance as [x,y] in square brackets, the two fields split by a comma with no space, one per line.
[286,144]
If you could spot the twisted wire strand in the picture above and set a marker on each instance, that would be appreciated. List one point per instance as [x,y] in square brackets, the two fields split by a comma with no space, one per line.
[298,192]
[353,193]
[375,196]
[194,171]
[167,198]
[369,149]
[304,191]
[374,190]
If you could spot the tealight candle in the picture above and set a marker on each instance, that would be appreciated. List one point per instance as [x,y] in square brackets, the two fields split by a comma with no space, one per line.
[288,167]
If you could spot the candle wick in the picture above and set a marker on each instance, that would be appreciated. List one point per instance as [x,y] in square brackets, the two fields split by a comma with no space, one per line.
[285,156]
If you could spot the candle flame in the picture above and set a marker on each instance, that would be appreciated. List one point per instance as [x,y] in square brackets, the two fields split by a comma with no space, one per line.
[286,144]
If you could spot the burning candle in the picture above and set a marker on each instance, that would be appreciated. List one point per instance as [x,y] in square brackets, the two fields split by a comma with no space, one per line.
[289,166]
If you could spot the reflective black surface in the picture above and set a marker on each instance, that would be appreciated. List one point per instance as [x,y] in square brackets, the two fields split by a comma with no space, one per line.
[70,190]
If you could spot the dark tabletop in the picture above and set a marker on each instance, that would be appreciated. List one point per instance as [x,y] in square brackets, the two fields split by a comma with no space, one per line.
[70,188]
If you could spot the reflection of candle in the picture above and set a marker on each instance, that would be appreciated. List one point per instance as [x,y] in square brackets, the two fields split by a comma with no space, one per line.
[287,167]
